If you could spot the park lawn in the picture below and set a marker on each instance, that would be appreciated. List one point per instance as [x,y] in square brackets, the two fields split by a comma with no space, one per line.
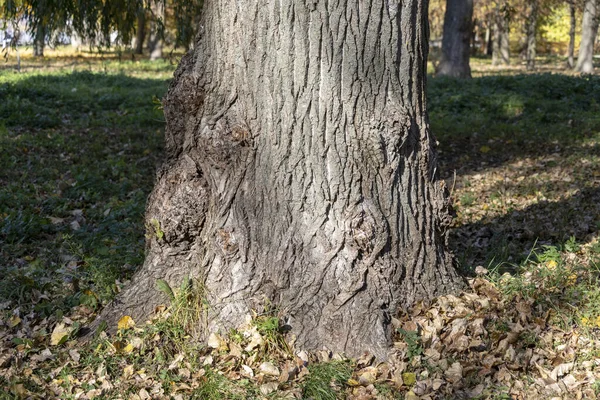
[80,143]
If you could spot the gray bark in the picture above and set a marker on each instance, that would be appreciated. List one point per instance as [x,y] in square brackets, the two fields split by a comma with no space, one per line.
[530,35]
[458,28]
[572,28]
[500,44]
[300,170]
[589,31]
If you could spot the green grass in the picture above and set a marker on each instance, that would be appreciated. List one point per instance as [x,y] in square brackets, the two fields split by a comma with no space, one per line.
[327,381]
[79,151]
[521,153]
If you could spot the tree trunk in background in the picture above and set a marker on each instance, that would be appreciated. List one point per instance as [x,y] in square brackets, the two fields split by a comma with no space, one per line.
[39,41]
[530,37]
[500,46]
[300,171]
[589,31]
[573,26]
[155,38]
[489,42]
[458,27]
[140,34]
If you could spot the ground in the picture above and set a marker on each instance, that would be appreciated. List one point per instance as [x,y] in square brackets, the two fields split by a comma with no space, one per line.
[81,136]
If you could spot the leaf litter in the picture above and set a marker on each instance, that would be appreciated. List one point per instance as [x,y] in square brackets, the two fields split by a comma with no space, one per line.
[526,328]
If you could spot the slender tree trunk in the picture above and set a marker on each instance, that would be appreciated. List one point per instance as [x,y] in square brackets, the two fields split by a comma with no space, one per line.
[530,37]
[489,42]
[155,39]
[140,34]
[300,170]
[39,41]
[573,26]
[501,50]
[458,28]
[589,31]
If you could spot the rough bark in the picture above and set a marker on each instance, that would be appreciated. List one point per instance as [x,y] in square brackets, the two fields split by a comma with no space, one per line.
[140,34]
[589,31]
[300,170]
[458,28]
[572,29]
[500,44]
[530,34]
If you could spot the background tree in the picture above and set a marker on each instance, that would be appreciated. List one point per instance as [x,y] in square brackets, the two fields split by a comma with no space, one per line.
[157,31]
[300,171]
[531,24]
[103,23]
[572,30]
[456,42]
[501,44]
[140,33]
[589,31]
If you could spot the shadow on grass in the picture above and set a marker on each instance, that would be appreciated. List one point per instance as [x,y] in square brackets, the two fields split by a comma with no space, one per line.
[530,136]
[509,239]
[79,153]
[487,122]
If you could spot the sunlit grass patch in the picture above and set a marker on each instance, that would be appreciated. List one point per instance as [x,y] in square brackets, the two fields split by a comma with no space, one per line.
[79,154]
[327,380]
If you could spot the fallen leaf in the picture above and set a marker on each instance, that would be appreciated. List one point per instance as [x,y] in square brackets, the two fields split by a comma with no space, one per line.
[126,322]
[14,321]
[454,373]
[59,335]
[268,368]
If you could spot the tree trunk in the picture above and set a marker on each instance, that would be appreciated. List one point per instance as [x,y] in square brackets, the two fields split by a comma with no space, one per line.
[489,42]
[300,171]
[500,46]
[458,27]
[589,31]
[573,26]
[530,35]
[155,39]
[39,41]
[140,34]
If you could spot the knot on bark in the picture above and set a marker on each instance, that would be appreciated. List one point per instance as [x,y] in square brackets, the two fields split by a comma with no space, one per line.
[224,143]
[177,206]
[227,242]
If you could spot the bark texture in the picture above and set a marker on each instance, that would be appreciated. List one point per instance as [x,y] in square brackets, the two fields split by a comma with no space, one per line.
[500,44]
[301,170]
[589,31]
[530,34]
[458,28]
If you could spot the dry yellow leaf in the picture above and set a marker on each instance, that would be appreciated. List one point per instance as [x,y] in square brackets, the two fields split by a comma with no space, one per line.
[59,334]
[128,371]
[126,322]
[128,349]
[14,321]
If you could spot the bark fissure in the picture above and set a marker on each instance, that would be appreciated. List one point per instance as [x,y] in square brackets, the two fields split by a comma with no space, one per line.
[308,137]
